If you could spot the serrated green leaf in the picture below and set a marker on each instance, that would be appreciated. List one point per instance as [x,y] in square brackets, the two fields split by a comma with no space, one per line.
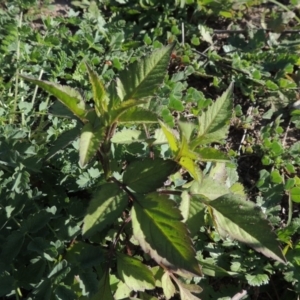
[144,176]
[155,219]
[167,286]
[211,154]
[214,123]
[99,93]
[105,207]
[128,136]
[244,222]
[193,212]
[142,77]
[89,143]
[134,273]
[116,112]
[257,279]
[67,95]
[138,115]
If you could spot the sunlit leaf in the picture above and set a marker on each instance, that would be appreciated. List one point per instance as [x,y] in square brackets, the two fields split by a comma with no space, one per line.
[244,222]
[141,78]
[138,115]
[155,219]
[214,123]
[67,95]
[104,291]
[191,167]
[128,136]
[134,273]
[99,93]
[171,137]
[167,286]
[211,154]
[89,142]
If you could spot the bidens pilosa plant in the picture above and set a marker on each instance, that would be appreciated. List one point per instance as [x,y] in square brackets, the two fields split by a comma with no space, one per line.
[158,186]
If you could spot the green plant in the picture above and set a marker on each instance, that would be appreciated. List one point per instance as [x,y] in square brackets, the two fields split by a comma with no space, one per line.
[136,194]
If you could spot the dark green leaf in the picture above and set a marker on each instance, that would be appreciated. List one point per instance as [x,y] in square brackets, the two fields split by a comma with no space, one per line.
[147,175]
[106,206]
[158,228]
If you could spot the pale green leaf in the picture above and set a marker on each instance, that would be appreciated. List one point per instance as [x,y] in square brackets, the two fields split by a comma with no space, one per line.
[186,129]
[191,167]
[142,78]
[210,188]
[158,228]
[122,292]
[89,142]
[99,93]
[185,293]
[167,286]
[214,123]
[138,115]
[128,136]
[257,279]
[211,154]
[214,270]
[243,221]
[105,207]
[134,273]
[144,176]
[171,137]
[193,212]
[67,95]
[295,194]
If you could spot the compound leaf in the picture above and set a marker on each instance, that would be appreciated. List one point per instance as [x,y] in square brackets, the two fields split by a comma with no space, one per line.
[158,228]
[106,206]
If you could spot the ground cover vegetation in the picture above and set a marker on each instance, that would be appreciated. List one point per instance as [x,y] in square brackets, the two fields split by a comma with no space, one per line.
[149,149]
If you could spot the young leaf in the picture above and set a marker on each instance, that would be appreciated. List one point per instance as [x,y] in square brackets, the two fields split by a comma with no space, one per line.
[138,115]
[171,137]
[242,221]
[67,95]
[192,167]
[144,176]
[168,286]
[214,123]
[158,228]
[89,142]
[134,273]
[105,207]
[141,78]
[99,93]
